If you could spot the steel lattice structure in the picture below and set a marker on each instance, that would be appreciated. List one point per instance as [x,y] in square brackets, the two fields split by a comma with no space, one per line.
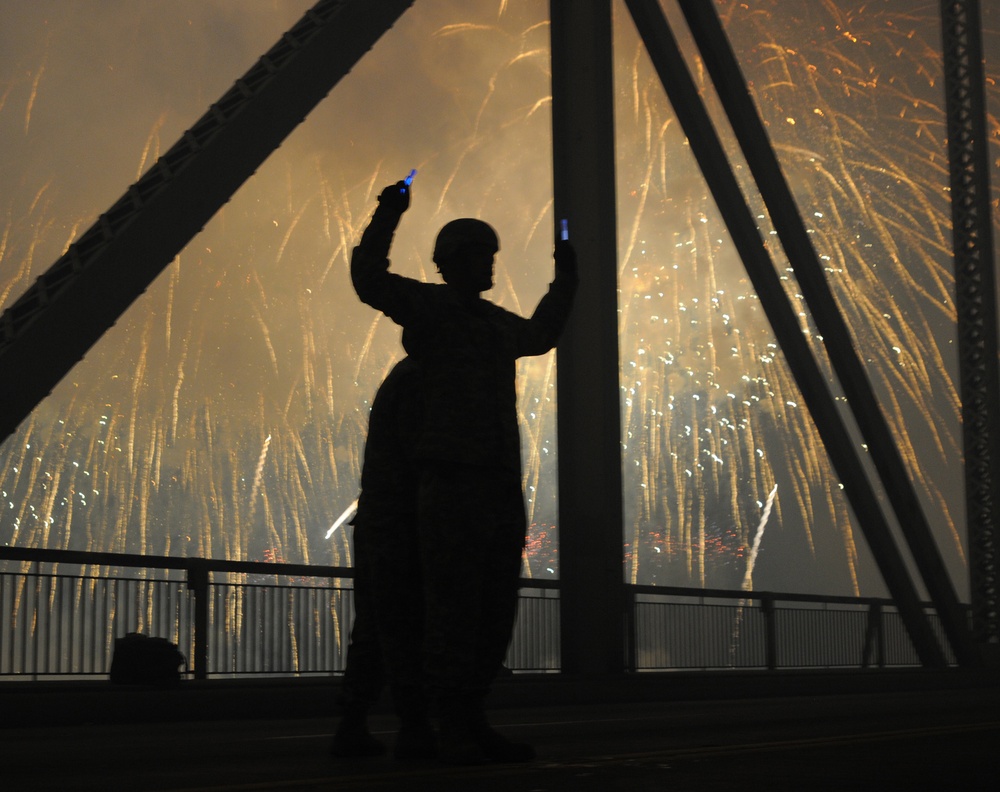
[975,290]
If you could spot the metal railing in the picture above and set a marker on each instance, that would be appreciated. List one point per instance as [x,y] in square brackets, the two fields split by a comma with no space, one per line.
[61,611]
[680,628]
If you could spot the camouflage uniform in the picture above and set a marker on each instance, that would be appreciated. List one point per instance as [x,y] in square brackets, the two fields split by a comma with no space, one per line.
[471,517]
[386,637]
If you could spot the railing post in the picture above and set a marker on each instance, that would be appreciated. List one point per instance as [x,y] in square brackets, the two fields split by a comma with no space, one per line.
[35,621]
[770,631]
[874,637]
[197,581]
[631,653]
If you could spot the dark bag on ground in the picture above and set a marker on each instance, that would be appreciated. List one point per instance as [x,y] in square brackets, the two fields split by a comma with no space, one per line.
[143,660]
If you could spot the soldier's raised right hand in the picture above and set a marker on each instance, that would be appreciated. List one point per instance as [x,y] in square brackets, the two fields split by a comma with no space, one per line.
[395,197]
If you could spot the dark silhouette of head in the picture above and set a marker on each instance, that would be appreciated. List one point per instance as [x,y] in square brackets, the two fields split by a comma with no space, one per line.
[464,252]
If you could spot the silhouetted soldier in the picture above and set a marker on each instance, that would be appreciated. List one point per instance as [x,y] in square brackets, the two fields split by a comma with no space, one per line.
[387,635]
[471,516]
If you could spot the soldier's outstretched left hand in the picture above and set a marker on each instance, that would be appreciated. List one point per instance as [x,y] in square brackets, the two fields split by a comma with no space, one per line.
[565,257]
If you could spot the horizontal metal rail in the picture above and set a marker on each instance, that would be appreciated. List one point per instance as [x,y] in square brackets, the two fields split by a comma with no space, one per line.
[61,611]
[674,628]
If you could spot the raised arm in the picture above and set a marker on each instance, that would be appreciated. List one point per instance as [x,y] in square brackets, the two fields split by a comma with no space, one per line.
[370,259]
[541,332]
[373,282]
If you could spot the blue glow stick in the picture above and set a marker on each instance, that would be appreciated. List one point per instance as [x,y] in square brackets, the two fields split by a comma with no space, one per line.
[408,181]
[564,229]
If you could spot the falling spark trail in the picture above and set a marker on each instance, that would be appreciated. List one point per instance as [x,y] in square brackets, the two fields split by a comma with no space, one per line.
[259,473]
[349,512]
[151,151]
[175,412]
[752,559]
[33,96]
[748,576]
[266,333]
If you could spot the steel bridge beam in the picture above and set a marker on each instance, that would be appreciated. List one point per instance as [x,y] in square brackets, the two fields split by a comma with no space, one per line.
[51,327]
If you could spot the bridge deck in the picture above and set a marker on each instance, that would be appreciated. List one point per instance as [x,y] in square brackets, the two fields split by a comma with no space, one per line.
[682,732]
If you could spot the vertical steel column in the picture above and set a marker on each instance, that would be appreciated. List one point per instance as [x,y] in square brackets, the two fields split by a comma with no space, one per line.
[975,297]
[590,477]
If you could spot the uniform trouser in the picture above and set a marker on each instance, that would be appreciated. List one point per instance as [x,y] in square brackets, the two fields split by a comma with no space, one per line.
[364,674]
[471,523]
[387,636]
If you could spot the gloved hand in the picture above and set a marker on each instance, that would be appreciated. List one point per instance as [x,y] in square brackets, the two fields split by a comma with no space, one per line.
[565,257]
[395,197]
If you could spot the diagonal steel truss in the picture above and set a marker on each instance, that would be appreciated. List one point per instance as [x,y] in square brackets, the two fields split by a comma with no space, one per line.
[708,150]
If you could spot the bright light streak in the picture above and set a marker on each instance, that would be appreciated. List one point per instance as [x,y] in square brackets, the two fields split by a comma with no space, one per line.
[748,577]
[349,512]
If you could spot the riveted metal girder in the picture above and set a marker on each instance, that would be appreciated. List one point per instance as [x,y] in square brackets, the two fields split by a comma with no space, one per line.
[975,297]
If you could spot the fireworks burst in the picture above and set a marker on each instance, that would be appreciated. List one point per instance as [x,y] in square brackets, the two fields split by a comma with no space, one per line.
[852,100]
[225,414]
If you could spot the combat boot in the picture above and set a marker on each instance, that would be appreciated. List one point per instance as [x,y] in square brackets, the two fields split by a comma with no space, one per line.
[415,740]
[494,745]
[456,741]
[352,738]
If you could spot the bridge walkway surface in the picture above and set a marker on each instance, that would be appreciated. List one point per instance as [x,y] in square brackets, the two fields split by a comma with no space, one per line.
[767,731]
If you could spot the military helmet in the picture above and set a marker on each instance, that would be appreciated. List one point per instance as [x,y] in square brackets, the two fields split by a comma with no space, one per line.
[458,233]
